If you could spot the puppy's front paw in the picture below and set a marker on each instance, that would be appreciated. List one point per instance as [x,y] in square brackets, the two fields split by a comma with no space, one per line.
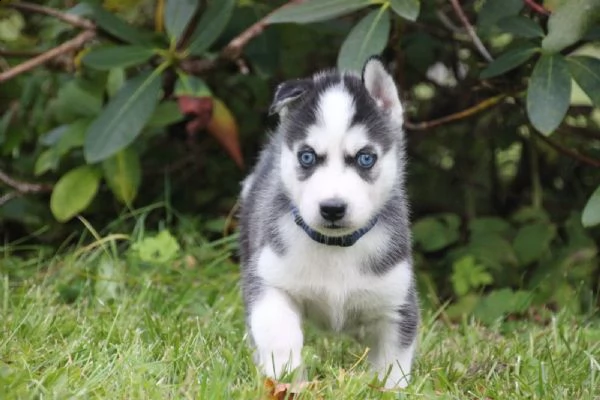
[277,360]
[277,334]
[395,379]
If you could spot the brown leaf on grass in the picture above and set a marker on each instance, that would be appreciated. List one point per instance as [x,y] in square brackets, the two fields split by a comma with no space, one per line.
[284,391]
[223,127]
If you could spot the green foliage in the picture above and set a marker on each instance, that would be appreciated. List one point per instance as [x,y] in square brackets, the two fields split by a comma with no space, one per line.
[591,212]
[569,23]
[549,93]
[74,192]
[123,118]
[368,37]
[178,14]
[316,10]
[156,250]
[211,25]
[105,58]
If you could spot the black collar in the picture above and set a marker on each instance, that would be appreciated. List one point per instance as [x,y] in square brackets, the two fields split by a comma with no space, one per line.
[342,241]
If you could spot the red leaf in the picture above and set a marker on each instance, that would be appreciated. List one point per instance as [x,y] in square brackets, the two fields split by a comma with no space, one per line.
[200,107]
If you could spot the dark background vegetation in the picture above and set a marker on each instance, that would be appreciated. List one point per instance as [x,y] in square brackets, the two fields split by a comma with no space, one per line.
[158,108]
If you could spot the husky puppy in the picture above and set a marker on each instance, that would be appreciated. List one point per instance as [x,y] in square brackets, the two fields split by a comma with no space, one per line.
[324,227]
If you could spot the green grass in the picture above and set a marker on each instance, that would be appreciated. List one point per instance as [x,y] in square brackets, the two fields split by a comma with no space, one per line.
[176,330]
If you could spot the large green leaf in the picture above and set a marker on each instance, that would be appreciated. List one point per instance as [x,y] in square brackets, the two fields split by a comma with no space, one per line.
[211,25]
[123,118]
[569,23]
[549,93]
[586,72]
[408,9]
[120,28]
[316,10]
[178,14]
[107,57]
[367,38]
[73,192]
[532,241]
[521,26]
[123,173]
[509,60]
[591,212]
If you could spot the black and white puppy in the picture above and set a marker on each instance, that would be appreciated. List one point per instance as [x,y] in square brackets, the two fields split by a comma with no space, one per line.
[324,224]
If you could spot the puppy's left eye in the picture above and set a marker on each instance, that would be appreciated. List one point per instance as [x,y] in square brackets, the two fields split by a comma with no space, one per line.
[307,158]
[366,160]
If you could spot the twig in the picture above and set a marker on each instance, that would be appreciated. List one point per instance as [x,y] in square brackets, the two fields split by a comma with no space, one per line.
[536,7]
[23,187]
[233,50]
[569,152]
[69,45]
[471,31]
[68,18]
[485,104]
[8,197]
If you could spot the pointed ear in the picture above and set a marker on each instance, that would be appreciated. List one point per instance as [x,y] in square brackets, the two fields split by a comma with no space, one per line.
[380,85]
[287,92]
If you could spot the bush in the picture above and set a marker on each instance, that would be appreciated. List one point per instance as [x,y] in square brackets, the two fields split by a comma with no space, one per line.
[147,95]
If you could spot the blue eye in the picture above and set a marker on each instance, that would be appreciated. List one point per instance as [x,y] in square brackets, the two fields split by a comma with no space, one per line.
[307,158]
[365,160]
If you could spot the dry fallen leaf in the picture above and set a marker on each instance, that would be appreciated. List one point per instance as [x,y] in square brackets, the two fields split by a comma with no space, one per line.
[284,391]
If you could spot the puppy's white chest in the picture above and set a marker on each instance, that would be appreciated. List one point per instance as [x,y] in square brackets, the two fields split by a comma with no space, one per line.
[331,285]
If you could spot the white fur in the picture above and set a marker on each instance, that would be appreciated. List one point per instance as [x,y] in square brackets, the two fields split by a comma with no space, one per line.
[329,286]
[275,324]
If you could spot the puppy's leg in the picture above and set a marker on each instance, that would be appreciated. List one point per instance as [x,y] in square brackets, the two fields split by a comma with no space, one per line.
[275,325]
[393,343]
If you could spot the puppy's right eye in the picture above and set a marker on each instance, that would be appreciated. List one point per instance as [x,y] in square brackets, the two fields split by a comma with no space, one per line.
[307,158]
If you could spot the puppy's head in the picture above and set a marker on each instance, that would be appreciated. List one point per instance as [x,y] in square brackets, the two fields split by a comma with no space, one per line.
[341,133]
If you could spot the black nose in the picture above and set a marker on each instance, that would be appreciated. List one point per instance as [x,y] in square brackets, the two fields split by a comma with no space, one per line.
[333,209]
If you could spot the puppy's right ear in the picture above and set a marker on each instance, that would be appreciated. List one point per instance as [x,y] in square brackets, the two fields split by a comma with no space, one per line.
[287,92]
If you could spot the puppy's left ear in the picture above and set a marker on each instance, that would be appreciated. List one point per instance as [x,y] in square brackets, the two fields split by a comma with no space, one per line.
[286,93]
[380,85]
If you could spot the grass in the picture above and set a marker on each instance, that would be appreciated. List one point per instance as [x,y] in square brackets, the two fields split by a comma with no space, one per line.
[89,324]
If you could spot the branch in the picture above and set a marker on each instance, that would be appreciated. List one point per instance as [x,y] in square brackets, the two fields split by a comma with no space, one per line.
[234,48]
[485,104]
[68,18]
[569,152]
[8,197]
[471,31]
[66,47]
[536,7]
[23,187]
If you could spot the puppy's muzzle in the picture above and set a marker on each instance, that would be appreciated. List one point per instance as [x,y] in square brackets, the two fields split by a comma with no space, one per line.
[333,209]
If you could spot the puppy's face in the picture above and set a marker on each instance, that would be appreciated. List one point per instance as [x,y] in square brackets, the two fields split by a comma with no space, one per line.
[339,162]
